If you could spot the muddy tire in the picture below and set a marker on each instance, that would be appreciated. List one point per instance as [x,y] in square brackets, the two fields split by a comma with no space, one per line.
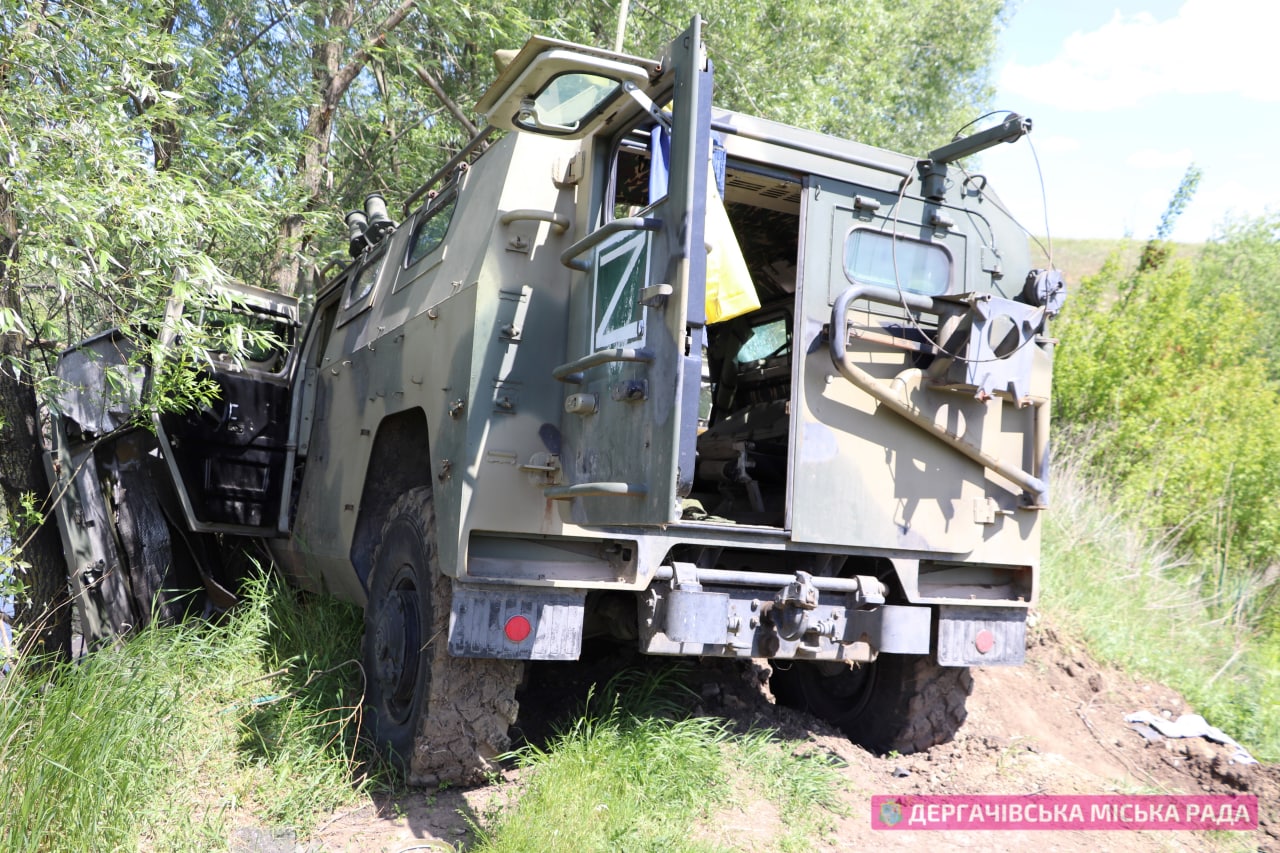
[899,703]
[437,717]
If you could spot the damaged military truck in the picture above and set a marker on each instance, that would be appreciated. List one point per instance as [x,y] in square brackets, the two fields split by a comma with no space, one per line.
[630,366]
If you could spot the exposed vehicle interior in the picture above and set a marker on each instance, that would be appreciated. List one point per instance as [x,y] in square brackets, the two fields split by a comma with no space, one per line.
[744,418]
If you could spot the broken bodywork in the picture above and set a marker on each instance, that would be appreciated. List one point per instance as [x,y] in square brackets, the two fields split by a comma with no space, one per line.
[682,378]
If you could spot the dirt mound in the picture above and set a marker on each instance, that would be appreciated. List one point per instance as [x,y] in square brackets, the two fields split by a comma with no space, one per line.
[1053,726]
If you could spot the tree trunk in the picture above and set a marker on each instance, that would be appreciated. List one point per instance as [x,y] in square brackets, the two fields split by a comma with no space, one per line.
[166,136]
[44,616]
[332,78]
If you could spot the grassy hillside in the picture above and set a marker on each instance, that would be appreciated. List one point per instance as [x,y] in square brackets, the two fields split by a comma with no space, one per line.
[1079,258]
[1163,545]
[1137,604]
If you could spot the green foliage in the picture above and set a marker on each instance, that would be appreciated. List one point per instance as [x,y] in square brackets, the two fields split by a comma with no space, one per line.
[903,75]
[1157,250]
[896,74]
[15,532]
[151,145]
[1246,255]
[1181,198]
[157,742]
[1164,374]
[627,775]
[1140,606]
[116,175]
[1166,384]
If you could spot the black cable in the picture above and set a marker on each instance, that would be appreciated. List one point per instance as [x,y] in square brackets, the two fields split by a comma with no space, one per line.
[897,279]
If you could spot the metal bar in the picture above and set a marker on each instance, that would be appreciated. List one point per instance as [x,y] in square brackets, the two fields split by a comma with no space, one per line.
[896,396]
[467,150]
[1010,130]
[805,148]
[559,222]
[604,232]
[642,98]
[572,372]
[893,341]
[776,579]
[1040,427]
[595,490]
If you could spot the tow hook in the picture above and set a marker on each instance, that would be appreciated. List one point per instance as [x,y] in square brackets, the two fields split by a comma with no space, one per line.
[790,608]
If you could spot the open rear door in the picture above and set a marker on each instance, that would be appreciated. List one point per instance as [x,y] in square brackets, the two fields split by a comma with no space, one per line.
[891,450]
[231,463]
[637,312]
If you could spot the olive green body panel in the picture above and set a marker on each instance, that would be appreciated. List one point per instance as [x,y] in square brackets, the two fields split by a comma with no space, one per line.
[471,339]
[541,371]
[862,475]
[468,336]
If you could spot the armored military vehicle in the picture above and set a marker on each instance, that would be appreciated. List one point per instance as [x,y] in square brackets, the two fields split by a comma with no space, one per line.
[633,367]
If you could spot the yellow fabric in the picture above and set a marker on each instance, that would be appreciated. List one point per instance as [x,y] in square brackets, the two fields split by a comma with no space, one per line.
[730,291]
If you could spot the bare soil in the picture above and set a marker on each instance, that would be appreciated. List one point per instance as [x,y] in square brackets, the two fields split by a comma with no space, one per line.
[1053,726]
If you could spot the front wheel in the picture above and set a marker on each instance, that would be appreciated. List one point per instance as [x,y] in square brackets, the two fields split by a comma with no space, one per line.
[897,703]
[439,718]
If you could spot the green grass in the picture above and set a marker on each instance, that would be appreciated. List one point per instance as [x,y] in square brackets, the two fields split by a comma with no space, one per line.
[1139,606]
[633,774]
[171,739]
[186,733]
[178,737]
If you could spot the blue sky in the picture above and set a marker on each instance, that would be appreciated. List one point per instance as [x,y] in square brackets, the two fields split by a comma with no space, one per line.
[1123,96]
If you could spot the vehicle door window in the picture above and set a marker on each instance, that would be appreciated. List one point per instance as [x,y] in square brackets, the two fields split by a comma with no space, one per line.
[360,287]
[873,257]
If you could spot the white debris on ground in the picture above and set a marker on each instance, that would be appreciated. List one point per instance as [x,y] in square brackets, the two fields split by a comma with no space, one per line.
[1191,725]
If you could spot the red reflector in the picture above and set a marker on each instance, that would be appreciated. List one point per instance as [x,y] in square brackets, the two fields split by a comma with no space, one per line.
[984,642]
[518,629]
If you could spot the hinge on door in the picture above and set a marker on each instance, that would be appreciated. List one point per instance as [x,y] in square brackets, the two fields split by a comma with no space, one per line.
[567,173]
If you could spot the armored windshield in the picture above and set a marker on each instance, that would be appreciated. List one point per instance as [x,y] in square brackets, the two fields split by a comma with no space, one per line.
[566,101]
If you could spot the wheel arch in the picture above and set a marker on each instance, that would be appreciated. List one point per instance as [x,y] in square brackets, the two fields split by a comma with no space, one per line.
[399,461]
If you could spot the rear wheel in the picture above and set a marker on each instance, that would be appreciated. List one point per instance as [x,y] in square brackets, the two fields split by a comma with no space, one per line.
[439,718]
[897,703]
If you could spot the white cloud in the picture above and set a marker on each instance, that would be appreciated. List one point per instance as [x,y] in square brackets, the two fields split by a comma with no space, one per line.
[1154,158]
[1208,47]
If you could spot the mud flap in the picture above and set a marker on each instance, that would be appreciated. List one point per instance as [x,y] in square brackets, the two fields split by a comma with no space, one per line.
[516,624]
[981,636]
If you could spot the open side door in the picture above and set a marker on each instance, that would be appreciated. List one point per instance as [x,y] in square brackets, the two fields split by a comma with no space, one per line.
[230,461]
[637,310]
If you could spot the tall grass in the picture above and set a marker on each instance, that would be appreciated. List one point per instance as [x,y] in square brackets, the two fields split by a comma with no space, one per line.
[1142,606]
[172,738]
[632,774]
